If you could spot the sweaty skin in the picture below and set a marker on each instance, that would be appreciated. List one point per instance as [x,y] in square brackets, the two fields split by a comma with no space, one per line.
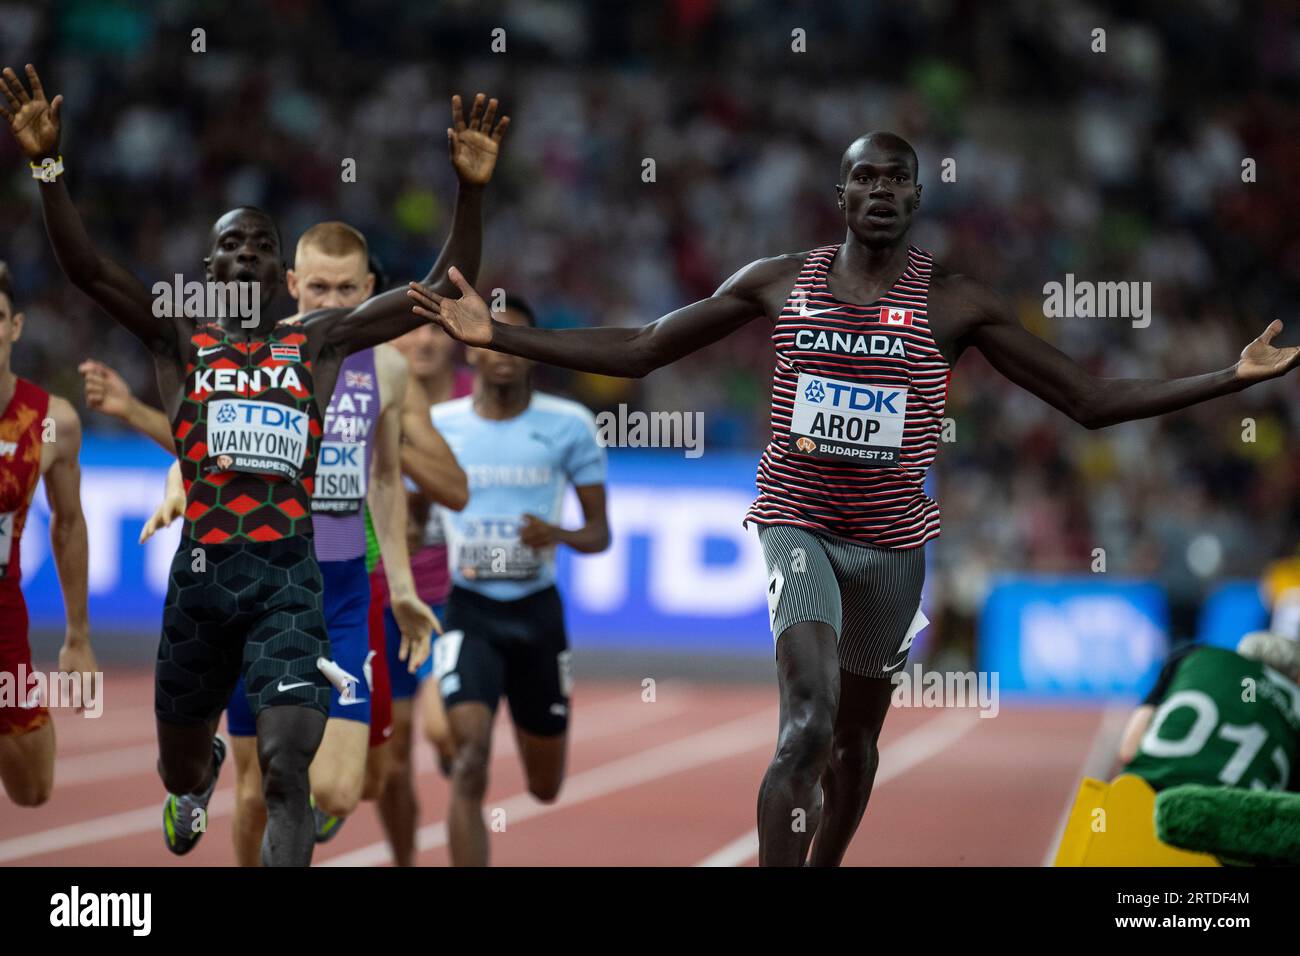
[827,751]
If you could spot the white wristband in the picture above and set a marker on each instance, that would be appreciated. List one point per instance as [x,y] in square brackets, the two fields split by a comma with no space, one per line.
[49,170]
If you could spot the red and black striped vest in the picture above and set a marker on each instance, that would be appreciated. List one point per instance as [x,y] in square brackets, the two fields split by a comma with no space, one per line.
[857,406]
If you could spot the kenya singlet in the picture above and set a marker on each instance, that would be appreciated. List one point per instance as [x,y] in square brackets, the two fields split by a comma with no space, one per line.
[857,405]
[244,588]
[247,435]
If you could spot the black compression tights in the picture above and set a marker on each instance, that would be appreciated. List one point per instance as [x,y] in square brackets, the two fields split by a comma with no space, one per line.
[287,738]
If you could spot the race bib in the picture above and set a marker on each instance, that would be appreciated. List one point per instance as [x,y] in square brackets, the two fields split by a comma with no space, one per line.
[6,539]
[489,549]
[264,438]
[848,421]
[340,477]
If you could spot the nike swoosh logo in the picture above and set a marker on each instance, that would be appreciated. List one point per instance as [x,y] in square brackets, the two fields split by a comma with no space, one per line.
[355,700]
[282,687]
[210,350]
[803,312]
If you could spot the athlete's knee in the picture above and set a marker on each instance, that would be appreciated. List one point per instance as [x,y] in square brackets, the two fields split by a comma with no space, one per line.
[805,741]
[469,773]
[284,769]
[856,753]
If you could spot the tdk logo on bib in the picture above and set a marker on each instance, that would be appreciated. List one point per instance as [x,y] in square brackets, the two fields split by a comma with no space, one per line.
[854,421]
[865,399]
[340,455]
[340,478]
[255,436]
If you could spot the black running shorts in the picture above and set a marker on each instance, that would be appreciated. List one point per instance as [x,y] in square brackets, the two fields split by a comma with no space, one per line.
[250,608]
[516,649]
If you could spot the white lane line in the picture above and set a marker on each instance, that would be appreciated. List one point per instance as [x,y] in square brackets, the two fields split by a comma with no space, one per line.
[705,747]
[103,828]
[605,718]
[896,759]
[1097,764]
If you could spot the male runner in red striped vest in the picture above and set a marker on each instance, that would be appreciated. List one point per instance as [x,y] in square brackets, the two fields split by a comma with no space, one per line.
[40,436]
[866,334]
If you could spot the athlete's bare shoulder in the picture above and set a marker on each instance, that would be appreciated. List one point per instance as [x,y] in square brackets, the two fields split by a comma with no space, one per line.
[959,305]
[766,282]
[62,425]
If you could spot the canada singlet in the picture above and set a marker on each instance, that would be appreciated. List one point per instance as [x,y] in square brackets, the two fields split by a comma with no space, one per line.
[857,406]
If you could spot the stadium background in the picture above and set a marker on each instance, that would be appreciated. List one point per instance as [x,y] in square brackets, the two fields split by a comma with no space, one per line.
[1117,166]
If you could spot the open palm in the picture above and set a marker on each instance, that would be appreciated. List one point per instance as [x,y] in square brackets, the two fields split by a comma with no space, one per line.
[466,319]
[33,119]
[474,145]
[1261,360]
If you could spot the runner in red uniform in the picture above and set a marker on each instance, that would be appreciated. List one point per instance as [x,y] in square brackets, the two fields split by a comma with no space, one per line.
[866,333]
[40,436]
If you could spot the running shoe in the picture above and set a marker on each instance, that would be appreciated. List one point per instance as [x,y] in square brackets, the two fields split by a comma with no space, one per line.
[181,813]
[326,826]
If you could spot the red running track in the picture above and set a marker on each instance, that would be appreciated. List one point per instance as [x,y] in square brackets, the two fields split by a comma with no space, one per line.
[666,783]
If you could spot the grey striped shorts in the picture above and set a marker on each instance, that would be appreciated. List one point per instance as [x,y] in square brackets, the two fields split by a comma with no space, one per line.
[870,596]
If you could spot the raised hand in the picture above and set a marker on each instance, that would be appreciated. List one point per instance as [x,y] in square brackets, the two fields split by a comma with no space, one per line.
[1260,360]
[466,319]
[474,145]
[33,120]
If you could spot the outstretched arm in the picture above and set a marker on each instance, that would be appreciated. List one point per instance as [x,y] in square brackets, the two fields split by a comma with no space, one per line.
[1090,400]
[752,292]
[35,124]
[473,147]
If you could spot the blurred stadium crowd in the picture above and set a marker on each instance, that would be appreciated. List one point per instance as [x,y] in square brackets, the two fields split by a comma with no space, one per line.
[1117,166]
